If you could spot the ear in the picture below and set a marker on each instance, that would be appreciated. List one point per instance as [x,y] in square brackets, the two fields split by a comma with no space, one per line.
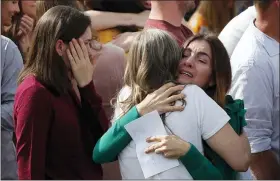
[60,47]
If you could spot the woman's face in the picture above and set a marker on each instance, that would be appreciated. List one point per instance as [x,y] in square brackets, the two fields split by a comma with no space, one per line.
[8,10]
[29,8]
[92,46]
[196,64]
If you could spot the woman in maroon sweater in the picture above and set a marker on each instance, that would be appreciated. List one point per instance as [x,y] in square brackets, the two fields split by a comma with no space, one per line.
[58,115]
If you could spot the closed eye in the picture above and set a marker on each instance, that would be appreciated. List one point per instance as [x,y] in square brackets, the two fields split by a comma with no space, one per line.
[202,61]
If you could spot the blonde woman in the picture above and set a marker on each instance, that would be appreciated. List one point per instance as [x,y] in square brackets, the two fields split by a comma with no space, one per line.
[154,59]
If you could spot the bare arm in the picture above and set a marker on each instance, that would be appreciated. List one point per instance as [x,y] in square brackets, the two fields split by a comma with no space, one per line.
[234,149]
[103,20]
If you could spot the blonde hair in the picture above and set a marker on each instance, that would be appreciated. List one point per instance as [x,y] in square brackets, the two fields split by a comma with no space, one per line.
[152,61]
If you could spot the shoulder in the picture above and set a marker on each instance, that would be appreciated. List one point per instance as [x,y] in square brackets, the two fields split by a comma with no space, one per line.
[10,53]
[195,90]
[249,54]
[30,88]
[7,43]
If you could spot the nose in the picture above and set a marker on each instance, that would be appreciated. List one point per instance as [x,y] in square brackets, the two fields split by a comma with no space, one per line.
[189,62]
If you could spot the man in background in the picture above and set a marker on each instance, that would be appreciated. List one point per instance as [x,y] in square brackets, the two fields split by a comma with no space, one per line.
[11,64]
[255,69]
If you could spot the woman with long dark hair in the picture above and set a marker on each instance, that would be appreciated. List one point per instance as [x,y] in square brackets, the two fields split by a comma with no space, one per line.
[154,59]
[56,108]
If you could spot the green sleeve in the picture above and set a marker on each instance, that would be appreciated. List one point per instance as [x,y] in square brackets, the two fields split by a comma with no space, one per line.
[199,166]
[115,139]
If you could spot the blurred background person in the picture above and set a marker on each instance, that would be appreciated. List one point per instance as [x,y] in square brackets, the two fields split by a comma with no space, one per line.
[8,11]
[11,64]
[117,21]
[23,23]
[255,74]
[211,16]
[233,31]
[168,16]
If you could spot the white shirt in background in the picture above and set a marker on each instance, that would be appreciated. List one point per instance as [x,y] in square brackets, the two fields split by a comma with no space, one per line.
[234,30]
[255,73]
[201,119]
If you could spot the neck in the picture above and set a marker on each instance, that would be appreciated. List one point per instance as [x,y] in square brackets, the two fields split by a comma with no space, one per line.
[268,23]
[167,11]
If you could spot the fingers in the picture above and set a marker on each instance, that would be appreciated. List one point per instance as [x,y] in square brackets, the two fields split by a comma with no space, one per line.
[71,59]
[161,149]
[174,98]
[163,88]
[84,50]
[21,32]
[27,23]
[154,147]
[175,89]
[78,49]
[167,109]
[156,138]
[73,52]
[28,20]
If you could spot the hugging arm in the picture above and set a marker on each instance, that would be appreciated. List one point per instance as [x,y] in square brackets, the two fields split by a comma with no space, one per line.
[116,19]
[117,138]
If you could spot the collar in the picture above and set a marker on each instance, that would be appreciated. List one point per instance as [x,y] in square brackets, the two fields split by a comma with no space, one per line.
[270,45]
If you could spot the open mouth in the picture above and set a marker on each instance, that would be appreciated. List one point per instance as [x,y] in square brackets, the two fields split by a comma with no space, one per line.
[188,74]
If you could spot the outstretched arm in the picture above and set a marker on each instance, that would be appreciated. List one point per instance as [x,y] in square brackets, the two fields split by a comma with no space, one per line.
[103,20]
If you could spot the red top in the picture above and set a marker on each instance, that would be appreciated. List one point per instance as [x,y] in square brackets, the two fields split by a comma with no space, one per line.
[56,133]
[181,33]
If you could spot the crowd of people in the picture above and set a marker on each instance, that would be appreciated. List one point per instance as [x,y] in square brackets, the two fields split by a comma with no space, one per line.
[77,75]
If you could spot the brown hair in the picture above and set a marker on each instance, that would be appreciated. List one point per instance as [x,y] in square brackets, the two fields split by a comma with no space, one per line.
[43,6]
[216,13]
[153,60]
[58,23]
[221,69]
